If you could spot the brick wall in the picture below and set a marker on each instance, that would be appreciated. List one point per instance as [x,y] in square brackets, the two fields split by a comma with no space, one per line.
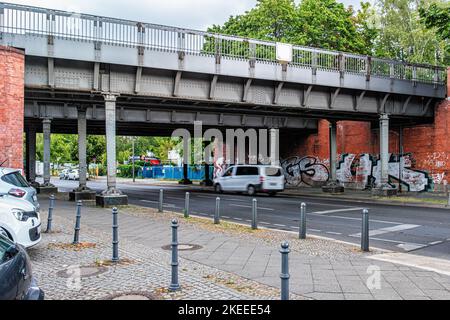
[429,145]
[11,106]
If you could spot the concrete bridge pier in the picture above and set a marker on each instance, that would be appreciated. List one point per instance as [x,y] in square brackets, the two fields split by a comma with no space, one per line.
[47,186]
[274,147]
[82,192]
[383,188]
[333,185]
[30,160]
[111,196]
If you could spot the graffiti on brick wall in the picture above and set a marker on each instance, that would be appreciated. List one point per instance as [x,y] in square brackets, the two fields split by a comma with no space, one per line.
[362,171]
[355,169]
[304,170]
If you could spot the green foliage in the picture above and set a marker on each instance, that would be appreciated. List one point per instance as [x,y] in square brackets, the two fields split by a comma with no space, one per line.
[402,35]
[126,170]
[318,23]
[410,30]
[437,17]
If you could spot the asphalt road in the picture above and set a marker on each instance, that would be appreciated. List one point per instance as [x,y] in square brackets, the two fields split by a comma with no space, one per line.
[424,231]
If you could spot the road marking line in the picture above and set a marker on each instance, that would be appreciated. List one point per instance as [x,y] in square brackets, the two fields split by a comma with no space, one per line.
[227,217]
[435,242]
[151,201]
[177,198]
[399,227]
[245,206]
[279,225]
[238,219]
[314,230]
[407,246]
[359,219]
[426,263]
[332,232]
[336,210]
[262,222]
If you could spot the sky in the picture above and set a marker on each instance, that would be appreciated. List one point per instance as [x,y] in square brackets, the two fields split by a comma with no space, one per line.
[192,14]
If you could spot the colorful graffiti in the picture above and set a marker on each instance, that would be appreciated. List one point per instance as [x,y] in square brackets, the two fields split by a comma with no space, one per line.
[363,171]
[304,170]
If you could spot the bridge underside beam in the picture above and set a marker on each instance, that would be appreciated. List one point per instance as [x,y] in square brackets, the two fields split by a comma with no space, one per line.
[75,77]
[167,116]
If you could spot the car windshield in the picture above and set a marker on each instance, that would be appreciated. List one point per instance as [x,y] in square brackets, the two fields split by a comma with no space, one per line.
[273,172]
[16,179]
[4,245]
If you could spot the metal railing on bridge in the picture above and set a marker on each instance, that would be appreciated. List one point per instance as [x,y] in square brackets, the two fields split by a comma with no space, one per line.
[19,19]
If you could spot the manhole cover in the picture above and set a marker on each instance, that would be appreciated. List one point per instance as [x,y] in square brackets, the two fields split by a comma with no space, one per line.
[132,295]
[183,247]
[81,271]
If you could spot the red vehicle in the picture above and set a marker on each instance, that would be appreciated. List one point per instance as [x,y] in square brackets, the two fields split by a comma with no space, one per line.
[151,160]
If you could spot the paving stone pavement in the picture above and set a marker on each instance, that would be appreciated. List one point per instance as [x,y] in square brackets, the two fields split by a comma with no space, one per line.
[319,268]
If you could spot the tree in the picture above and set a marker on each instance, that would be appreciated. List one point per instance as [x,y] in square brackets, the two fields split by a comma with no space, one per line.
[437,17]
[365,23]
[403,36]
[270,20]
[318,23]
[328,24]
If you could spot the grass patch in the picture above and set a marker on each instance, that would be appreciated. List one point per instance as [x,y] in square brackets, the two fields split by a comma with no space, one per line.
[413,200]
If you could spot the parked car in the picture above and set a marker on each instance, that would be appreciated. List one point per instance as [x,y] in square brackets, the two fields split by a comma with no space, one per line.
[13,183]
[74,174]
[251,179]
[19,221]
[16,278]
[63,174]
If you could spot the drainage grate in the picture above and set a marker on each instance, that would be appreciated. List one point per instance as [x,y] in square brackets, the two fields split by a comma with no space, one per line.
[132,295]
[183,247]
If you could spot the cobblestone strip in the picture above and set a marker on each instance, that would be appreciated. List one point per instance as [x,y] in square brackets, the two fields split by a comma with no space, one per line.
[65,271]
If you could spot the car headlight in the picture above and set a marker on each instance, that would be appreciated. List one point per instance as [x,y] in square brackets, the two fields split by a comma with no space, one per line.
[19,214]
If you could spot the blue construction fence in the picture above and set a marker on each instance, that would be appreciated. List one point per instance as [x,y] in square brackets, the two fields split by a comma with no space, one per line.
[174,172]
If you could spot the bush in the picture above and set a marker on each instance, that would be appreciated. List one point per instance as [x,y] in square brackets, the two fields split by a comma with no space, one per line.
[126,170]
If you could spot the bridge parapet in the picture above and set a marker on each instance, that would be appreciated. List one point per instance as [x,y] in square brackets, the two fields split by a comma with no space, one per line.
[34,21]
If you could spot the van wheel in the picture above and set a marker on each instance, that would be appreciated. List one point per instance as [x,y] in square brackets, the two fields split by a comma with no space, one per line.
[251,191]
[218,188]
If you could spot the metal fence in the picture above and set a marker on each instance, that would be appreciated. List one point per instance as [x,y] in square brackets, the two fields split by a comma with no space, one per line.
[18,19]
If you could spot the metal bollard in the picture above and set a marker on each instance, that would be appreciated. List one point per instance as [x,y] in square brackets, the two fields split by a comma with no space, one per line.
[365,230]
[174,285]
[160,203]
[284,275]
[217,211]
[254,214]
[50,213]
[186,205]
[302,227]
[115,235]
[76,237]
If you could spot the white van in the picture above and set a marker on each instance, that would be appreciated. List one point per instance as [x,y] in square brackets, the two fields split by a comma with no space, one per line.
[251,179]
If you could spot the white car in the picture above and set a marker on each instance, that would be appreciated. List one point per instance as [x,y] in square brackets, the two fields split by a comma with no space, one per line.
[19,221]
[251,179]
[64,174]
[74,174]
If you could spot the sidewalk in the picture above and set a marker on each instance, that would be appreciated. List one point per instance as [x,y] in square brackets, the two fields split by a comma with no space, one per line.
[230,261]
